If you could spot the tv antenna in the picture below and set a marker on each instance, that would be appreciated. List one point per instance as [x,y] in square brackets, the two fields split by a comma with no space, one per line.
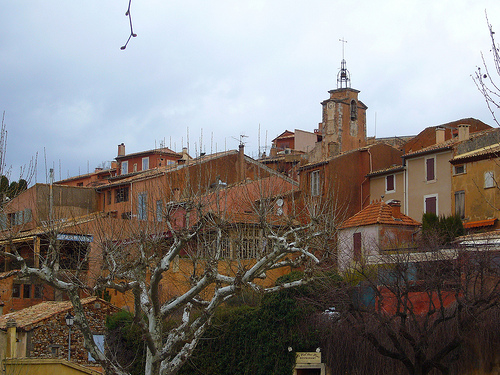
[241,139]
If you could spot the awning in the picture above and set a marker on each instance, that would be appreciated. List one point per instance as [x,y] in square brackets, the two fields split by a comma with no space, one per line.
[480,223]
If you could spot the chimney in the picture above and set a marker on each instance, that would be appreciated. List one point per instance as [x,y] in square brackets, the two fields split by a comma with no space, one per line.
[463,132]
[11,349]
[121,149]
[395,208]
[274,151]
[241,163]
[439,135]
[184,158]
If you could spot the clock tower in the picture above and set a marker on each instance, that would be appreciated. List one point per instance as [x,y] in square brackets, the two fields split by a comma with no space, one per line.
[343,126]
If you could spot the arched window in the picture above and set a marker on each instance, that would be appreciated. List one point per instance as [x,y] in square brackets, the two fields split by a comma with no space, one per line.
[354,110]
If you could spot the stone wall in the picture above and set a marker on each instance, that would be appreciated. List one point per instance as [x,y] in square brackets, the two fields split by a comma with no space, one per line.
[50,338]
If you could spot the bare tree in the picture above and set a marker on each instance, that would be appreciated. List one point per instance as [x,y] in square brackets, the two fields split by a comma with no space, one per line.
[485,82]
[183,260]
[419,308]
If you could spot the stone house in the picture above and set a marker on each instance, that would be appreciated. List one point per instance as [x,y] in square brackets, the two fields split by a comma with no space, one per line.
[40,331]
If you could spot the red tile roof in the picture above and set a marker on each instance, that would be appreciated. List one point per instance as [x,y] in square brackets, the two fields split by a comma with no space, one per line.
[378,213]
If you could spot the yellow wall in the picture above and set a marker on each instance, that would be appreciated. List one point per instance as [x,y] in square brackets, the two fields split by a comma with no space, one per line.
[480,202]
[45,367]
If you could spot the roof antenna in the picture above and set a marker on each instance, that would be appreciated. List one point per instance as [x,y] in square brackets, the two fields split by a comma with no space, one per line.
[241,139]
[343,76]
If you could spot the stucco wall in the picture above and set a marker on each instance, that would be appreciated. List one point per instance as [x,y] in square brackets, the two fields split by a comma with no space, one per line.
[418,187]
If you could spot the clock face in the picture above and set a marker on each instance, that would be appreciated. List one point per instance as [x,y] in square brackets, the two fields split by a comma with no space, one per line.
[330,105]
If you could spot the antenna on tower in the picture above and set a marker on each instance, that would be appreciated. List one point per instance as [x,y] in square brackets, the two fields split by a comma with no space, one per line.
[343,76]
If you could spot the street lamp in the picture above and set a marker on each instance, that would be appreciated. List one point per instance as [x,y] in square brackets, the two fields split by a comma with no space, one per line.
[69,322]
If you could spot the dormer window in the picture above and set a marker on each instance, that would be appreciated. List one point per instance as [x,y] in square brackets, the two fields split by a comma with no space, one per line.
[354,110]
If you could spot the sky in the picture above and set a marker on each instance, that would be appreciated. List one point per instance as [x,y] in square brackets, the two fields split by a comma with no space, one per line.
[202,73]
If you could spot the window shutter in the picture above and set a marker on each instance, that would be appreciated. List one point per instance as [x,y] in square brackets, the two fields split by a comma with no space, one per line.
[430,169]
[430,205]
[389,183]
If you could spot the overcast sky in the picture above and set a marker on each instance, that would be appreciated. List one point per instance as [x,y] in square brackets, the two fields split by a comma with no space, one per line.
[213,70]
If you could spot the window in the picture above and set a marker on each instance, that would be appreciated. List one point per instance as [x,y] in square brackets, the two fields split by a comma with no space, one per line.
[430,173]
[315,189]
[459,169]
[142,213]
[145,163]
[20,217]
[108,197]
[99,341]
[159,210]
[250,245]
[38,293]
[390,184]
[124,169]
[79,184]
[460,204]
[16,290]
[430,204]
[489,179]
[121,194]
[26,291]
[354,110]
[356,241]
[54,350]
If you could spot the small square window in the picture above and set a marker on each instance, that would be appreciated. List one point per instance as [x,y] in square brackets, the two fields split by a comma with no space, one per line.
[54,350]
[459,169]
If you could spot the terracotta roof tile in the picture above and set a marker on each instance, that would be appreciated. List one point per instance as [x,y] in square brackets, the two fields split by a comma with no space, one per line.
[378,213]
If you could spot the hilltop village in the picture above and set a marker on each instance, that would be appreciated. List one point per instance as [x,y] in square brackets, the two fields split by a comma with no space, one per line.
[370,193]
